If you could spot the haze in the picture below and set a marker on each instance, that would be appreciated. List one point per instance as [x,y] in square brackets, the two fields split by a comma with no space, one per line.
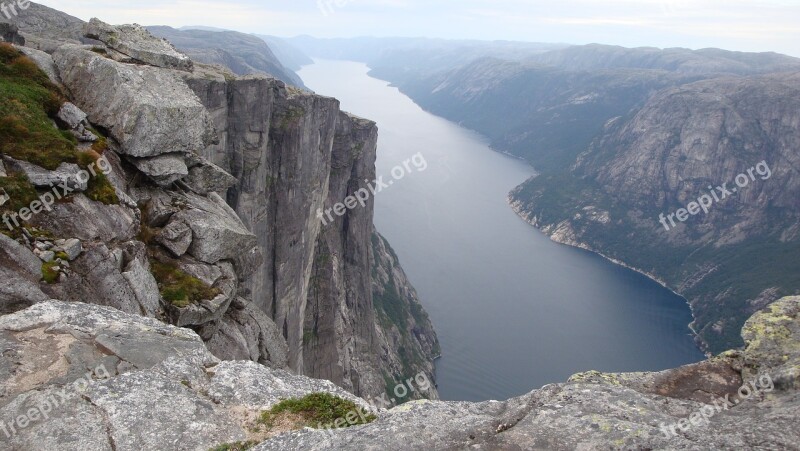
[745,25]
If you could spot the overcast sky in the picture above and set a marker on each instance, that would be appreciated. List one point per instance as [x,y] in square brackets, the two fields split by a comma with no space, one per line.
[748,25]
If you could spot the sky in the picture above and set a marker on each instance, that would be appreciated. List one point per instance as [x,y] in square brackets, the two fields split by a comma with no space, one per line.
[745,25]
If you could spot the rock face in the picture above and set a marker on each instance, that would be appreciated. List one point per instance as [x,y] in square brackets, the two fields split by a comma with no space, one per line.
[109,380]
[128,383]
[244,54]
[315,282]
[149,111]
[683,144]
[220,180]
[136,42]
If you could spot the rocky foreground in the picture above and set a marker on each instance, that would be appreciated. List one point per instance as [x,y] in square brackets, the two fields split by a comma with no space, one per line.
[116,381]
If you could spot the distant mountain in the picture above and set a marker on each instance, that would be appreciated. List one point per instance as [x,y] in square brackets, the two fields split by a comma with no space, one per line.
[288,54]
[418,56]
[679,60]
[242,53]
[685,143]
[623,135]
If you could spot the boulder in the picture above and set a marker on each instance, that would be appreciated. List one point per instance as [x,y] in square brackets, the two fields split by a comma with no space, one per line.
[75,120]
[10,33]
[20,271]
[206,177]
[218,233]
[136,42]
[45,63]
[176,237]
[89,220]
[67,173]
[148,110]
[164,170]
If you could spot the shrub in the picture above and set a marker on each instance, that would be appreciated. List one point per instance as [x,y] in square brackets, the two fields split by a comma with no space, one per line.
[177,287]
[316,409]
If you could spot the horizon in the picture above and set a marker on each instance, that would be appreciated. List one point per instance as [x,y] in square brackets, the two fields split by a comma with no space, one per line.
[738,25]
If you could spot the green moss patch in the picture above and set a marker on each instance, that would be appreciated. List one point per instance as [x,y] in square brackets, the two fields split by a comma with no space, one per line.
[177,287]
[49,273]
[20,191]
[235,446]
[28,102]
[316,410]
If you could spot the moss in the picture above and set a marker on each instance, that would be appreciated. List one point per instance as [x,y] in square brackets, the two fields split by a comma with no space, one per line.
[291,117]
[315,410]
[28,102]
[20,192]
[62,255]
[235,446]
[49,273]
[177,287]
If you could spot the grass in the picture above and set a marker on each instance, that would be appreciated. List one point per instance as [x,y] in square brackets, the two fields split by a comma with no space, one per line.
[235,446]
[50,275]
[20,191]
[177,287]
[315,410]
[28,104]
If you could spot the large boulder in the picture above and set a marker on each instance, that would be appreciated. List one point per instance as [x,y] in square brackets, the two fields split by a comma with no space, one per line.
[129,383]
[136,42]
[164,170]
[67,174]
[150,111]
[20,271]
[10,33]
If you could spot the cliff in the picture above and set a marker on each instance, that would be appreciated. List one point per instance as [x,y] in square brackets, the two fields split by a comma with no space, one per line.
[213,185]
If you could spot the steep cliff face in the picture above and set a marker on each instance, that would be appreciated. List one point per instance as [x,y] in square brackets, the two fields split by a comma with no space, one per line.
[316,279]
[218,182]
[732,256]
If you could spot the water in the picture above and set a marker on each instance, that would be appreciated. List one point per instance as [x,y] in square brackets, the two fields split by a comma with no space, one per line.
[513,310]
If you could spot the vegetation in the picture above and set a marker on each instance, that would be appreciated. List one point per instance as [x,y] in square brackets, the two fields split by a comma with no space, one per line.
[177,287]
[236,446]
[49,273]
[28,104]
[20,191]
[317,409]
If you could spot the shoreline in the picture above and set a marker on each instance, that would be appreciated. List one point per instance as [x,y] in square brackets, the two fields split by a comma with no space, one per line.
[517,208]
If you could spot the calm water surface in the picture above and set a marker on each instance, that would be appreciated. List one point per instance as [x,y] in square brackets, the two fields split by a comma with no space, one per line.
[513,310]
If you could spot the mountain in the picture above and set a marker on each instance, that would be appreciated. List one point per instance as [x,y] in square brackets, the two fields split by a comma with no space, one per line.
[289,55]
[168,285]
[242,53]
[622,135]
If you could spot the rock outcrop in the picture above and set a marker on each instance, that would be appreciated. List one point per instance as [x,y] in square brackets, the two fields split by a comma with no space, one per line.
[102,379]
[220,180]
[242,53]
[129,383]
[136,42]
